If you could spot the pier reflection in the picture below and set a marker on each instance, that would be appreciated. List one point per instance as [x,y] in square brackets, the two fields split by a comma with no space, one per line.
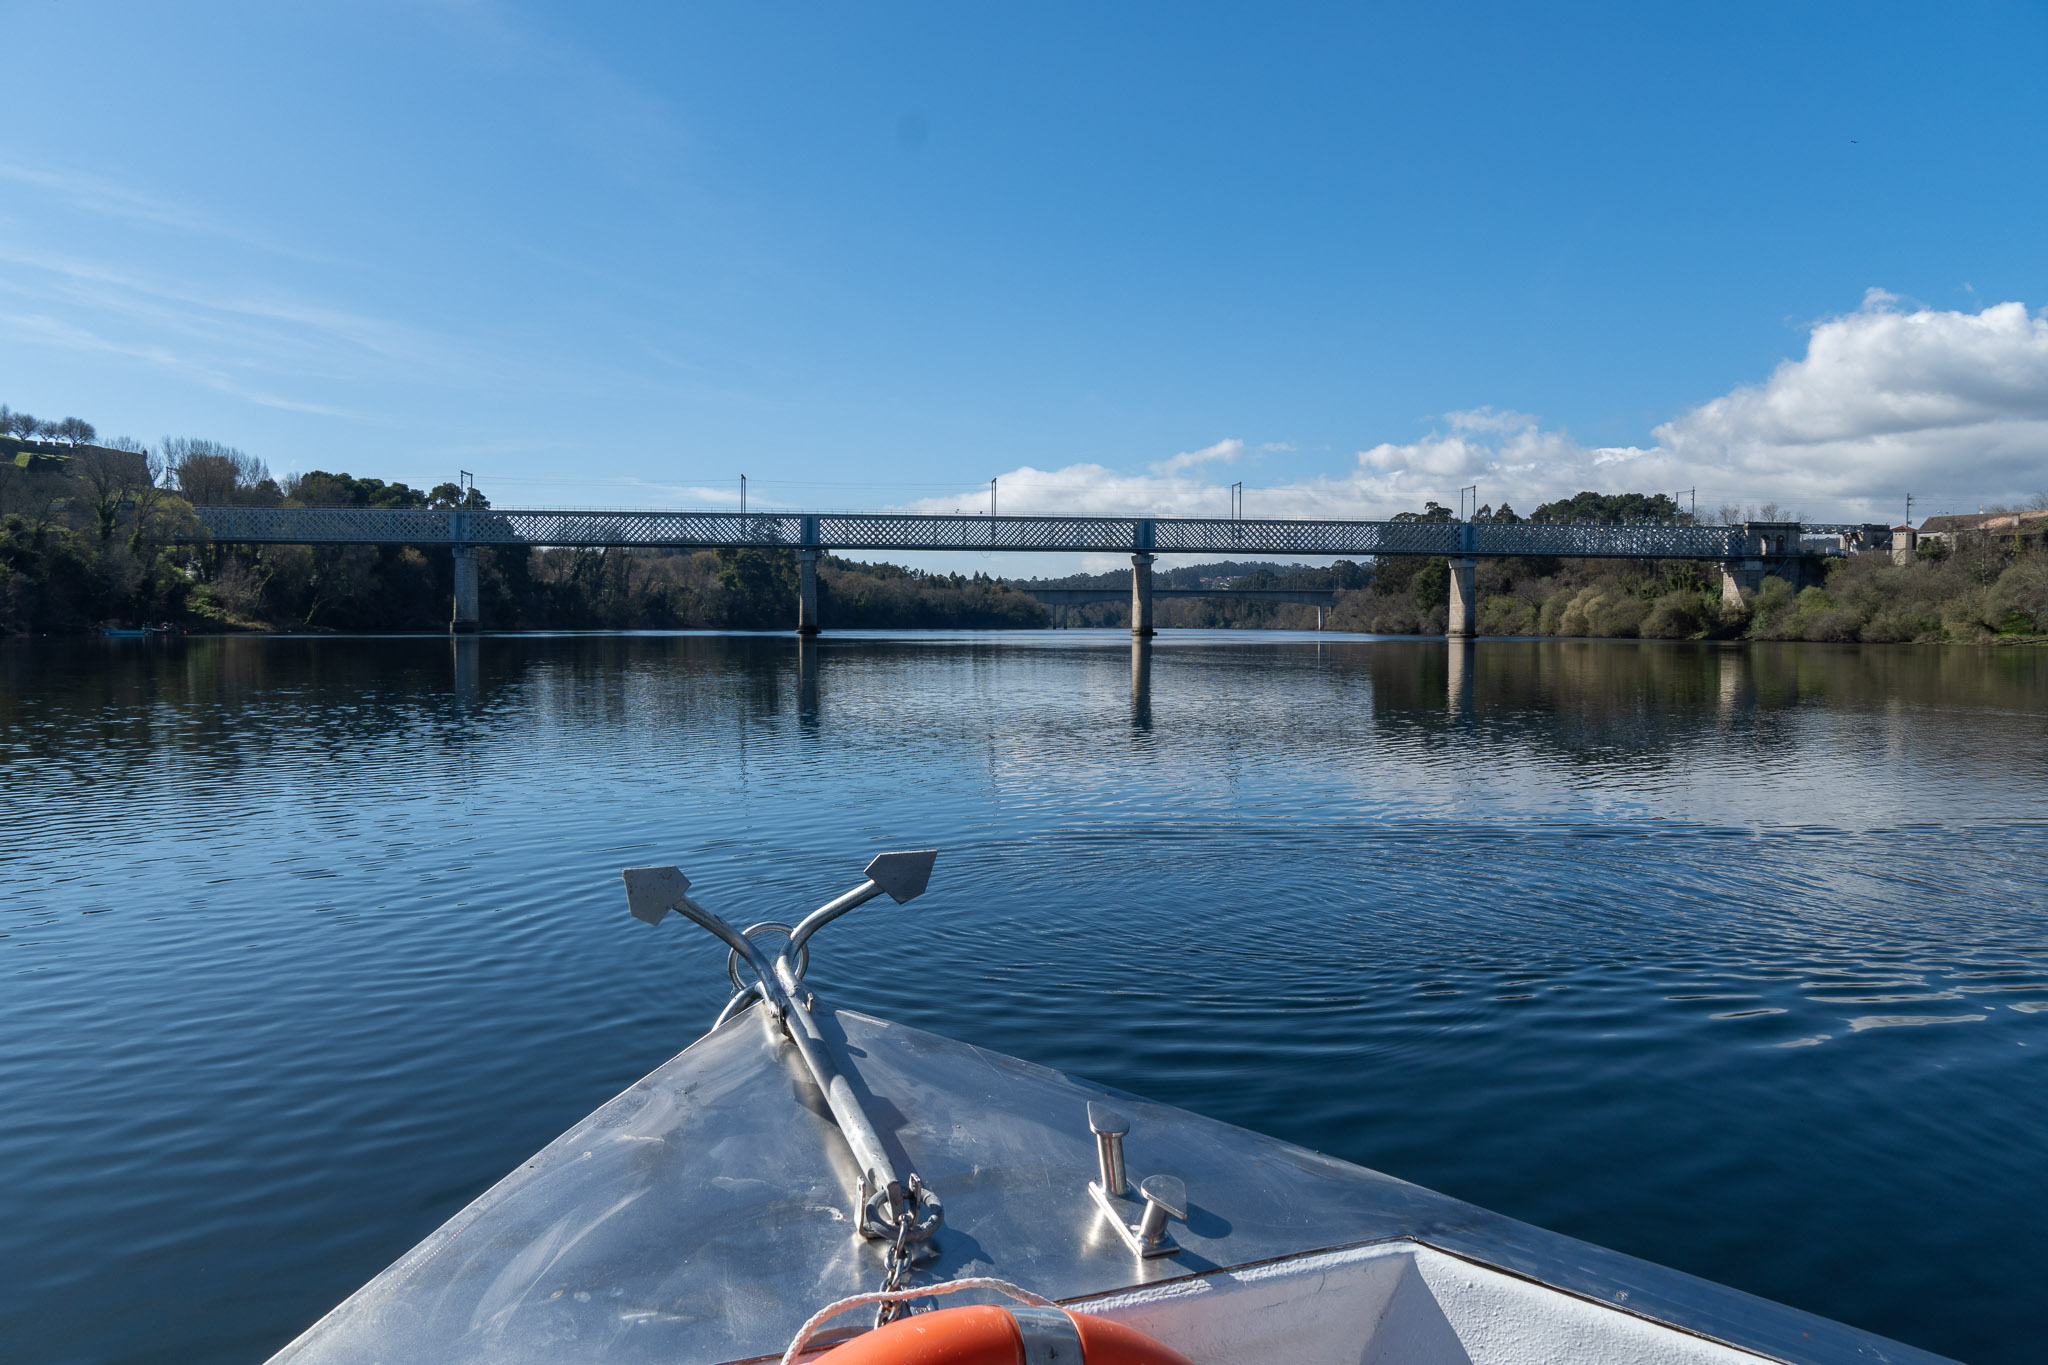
[1141,682]
[467,668]
[1575,708]
[807,684]
[1458,679]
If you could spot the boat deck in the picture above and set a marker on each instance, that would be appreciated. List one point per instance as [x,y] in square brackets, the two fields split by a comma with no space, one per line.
[703,1214]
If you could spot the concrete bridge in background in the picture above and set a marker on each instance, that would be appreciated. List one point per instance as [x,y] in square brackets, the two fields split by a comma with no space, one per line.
[1746,552]
[1322,599]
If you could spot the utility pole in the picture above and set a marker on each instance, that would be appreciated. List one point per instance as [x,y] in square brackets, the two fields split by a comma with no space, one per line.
[743,495]
[1473,489]
[1237,501]
[991,499]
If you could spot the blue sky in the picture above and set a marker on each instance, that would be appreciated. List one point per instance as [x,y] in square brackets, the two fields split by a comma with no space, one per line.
[874,255]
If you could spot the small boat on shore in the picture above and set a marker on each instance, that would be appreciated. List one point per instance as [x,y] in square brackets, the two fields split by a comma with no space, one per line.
[808,1183]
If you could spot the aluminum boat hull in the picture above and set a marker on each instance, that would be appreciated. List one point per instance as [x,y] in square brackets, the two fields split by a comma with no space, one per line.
[703,1214]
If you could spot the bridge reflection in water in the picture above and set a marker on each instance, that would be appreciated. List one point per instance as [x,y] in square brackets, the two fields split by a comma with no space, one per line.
[1458,676]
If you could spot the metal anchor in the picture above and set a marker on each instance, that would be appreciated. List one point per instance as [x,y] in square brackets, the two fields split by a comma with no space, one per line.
[889,1205]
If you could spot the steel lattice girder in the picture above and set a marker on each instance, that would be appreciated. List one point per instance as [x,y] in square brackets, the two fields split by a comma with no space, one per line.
[882,531]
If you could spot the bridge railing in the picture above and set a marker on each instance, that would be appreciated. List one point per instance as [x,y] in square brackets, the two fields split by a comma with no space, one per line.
[893,531]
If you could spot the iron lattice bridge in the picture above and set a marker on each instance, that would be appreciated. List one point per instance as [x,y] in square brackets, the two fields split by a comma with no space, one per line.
[888,531]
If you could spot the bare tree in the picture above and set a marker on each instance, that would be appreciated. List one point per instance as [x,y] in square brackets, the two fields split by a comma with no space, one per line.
[209,472]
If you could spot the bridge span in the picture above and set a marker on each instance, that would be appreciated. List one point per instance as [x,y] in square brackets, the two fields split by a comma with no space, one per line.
[1745,550]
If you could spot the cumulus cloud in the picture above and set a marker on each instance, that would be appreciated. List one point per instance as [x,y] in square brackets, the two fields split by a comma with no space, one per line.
[1950,406]
[1225,451]
[1887,401]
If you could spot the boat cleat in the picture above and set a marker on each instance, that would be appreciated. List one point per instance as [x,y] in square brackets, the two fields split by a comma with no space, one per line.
[1140,1222]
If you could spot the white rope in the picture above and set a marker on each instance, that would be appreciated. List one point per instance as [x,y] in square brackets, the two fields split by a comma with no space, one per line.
[812,1323]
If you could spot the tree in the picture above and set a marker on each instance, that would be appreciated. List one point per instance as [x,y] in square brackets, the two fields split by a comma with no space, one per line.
[1610,509]
[453,495]
[1430,512]
[74,431]
[763,581]
[111,479]
[209,472]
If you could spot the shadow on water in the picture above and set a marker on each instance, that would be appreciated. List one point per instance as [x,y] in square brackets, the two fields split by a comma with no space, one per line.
[1728,956]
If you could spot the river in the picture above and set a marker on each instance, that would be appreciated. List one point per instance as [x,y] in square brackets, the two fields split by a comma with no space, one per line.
[1731,957]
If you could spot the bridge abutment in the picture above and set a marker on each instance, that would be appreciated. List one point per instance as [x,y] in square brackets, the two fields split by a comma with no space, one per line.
[1463,618]
[1739,576]
[1141,595]
[807,591]
[464,620]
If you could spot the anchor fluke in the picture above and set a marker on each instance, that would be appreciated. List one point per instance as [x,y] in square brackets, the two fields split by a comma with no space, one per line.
[903,876]
[651,892]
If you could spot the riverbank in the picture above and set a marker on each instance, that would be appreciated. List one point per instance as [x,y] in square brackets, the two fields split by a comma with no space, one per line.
[89,535]
[1972,594]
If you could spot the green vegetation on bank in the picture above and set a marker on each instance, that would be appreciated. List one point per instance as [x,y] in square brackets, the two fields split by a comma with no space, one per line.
[87,532]
[86,536]
[1978,589]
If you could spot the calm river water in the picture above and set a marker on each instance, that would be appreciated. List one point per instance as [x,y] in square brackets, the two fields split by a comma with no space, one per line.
[1732,958]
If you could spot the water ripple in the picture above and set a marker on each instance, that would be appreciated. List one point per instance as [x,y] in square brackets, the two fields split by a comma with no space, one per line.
[308,941]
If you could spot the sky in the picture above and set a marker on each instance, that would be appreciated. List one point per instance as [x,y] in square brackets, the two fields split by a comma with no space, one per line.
[1116,257]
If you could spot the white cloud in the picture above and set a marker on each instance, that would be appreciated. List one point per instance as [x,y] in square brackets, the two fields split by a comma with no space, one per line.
[1887,401]
[1949,406]
[1225,451]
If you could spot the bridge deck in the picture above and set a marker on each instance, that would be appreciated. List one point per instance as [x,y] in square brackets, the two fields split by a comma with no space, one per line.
[890,531]
[1074,597]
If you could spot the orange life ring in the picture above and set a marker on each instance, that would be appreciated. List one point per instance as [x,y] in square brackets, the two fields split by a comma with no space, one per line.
[988,1335]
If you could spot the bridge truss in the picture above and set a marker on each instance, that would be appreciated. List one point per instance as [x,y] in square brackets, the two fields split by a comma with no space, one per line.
[887,531]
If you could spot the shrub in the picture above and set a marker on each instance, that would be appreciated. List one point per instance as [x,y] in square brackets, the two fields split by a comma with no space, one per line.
[1504,615]
[2018,602]
[1680,615]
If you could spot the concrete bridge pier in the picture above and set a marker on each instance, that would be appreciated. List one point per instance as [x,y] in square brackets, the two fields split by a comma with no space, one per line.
[1141,595]
[1464,614]
[807,591]
[464,621]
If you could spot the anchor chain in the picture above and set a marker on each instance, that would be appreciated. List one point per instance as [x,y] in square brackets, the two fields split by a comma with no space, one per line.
[896,1262]
[907,1216]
